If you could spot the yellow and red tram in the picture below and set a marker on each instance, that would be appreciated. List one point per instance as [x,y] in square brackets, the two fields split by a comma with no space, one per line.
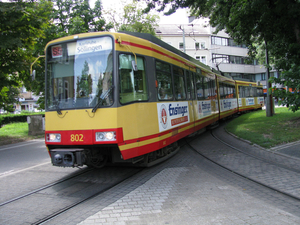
[250,95]
[127,98]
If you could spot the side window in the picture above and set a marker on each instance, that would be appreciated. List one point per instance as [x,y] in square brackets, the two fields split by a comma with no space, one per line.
[206,87]
[260,92]
[179,83]
[253,92]
[164,80]
[247,92]
[242,93]
[223,90]
[133,85]
[199,86]
[190,85]
[213,89]
[233,91]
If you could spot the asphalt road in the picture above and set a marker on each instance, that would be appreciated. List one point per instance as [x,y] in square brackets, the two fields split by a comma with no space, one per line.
[22,155]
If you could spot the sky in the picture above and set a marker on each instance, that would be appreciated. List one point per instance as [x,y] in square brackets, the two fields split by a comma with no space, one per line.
[180,17]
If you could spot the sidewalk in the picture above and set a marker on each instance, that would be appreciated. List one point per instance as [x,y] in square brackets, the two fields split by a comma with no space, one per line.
[188,190]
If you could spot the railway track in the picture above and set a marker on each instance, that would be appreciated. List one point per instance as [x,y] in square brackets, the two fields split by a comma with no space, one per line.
[276,172]
[44,187]
[45,203]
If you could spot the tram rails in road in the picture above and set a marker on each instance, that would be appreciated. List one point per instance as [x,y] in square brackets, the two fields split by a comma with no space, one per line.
[268,156]
[270,173]
[85,170]
[47,202]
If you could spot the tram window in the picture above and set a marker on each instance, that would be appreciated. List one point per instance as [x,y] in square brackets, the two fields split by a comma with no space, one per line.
[247,91]
[233,91]
[253,92]
[164,79]
[213,89]
[229,91]
[260,92]
[179,83]
[242,93]
[206,88]
[221,90]
[199,86]
[190,85]
[133,85]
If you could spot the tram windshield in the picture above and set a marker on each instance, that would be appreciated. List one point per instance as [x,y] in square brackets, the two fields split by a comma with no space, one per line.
[79,74]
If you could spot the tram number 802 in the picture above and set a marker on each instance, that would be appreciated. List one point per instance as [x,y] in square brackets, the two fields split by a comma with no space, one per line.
[76,137]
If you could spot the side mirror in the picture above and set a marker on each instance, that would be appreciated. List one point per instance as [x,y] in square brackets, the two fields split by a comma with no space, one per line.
[33,75]
[134,65]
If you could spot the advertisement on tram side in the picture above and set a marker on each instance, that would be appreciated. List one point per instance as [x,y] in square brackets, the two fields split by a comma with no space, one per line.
[204,109]
[227,104]
[171,115]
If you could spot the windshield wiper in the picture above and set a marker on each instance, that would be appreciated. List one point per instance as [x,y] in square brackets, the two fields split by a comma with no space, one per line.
[103,96]
[58,110]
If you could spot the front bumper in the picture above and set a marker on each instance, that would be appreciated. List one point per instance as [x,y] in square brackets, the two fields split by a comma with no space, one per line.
[68,157]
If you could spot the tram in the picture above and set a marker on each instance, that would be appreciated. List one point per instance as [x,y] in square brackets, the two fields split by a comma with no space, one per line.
[250,95]
[128,98]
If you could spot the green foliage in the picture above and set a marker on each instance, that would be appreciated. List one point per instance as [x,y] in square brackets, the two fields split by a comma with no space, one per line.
[21,26]
[15,118]
[8,97]
[76,16]
[290,79]
[134,19]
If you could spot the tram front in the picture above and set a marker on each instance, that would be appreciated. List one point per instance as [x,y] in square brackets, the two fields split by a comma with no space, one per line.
[79,80]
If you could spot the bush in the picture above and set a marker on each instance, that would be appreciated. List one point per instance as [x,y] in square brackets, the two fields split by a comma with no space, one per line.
[15,118]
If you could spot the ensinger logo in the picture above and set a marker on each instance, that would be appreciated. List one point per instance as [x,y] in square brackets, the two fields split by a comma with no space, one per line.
[177,110]
[163,116]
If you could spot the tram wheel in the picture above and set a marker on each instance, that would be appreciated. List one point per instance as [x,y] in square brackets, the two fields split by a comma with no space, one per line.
[97,161]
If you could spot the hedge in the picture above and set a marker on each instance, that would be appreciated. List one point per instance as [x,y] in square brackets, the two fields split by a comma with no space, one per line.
[16,118]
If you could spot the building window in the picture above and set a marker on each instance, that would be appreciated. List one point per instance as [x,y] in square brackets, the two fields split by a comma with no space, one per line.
[219,58]
[202,45]
[225,42]
[203,59]
[197,45]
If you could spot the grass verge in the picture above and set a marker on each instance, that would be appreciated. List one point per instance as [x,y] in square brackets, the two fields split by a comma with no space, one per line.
[281,128]
[15,132]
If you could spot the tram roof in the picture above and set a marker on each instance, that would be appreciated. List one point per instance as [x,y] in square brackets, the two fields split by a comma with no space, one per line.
[155,40]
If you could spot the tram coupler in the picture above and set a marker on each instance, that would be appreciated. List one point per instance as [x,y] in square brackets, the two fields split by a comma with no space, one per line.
[67,157]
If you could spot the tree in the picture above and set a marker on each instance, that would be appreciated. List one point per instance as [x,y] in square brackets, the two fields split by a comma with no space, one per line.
[76,16]
[134,19]
[275,22]
[21,24]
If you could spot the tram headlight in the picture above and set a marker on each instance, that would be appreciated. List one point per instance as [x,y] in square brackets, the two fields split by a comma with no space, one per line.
[53,137]
[106,136]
